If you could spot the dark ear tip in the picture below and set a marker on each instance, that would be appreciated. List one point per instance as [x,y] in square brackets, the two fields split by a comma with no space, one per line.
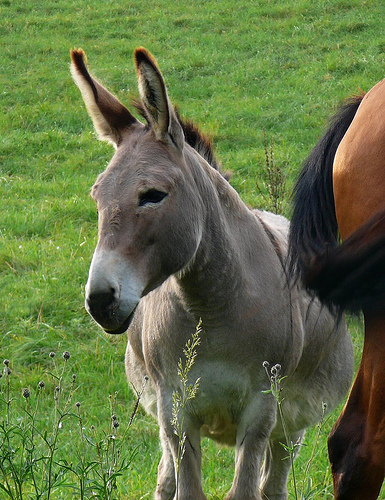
[142,55]
[78,57]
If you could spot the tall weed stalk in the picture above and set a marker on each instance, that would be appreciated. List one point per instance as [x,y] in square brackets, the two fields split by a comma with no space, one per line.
[308,492]
[273,181]
[186,393]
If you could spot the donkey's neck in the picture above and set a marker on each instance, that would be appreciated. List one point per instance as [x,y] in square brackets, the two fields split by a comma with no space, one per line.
[234,246]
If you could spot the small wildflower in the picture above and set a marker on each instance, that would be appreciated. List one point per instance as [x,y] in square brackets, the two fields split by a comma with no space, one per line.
[41,385]
[51,354]
[77,404]
[275,370]
[26,393]
[6,362]
[66,355]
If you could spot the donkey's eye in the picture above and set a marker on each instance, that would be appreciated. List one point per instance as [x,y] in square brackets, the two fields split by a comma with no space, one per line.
[151,196]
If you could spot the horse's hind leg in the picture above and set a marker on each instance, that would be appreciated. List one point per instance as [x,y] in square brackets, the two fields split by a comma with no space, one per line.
[276,468]
[357,441]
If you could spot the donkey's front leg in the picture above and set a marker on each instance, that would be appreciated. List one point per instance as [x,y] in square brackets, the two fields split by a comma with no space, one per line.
[166,486]
[185,476]
[252,438]
[277,465]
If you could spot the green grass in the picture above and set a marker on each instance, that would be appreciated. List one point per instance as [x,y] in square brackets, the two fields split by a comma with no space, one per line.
[236,68]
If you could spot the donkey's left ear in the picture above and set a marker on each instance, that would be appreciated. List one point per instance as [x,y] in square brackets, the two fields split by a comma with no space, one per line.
[108,114]
[157,105]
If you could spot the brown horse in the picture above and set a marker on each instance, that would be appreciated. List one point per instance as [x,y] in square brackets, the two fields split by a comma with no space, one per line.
[342,189]
[177,244]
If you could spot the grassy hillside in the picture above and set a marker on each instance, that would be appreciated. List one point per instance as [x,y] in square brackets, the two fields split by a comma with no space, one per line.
[236,68]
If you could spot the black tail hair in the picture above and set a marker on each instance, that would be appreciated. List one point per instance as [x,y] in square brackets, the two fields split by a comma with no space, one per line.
[352,275]
[314,229]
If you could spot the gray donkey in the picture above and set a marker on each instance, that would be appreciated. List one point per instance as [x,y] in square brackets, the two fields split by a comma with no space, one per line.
[176,245]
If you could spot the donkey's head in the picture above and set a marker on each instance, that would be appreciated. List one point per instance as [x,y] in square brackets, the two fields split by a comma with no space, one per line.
[150,218]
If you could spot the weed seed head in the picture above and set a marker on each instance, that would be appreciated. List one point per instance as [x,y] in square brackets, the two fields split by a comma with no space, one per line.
[6,362]
[66,355]
[77,404]
[26,393]
[41,385]
[51,354]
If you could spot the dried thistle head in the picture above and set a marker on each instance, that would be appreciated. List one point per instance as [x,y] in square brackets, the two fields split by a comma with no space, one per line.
[26,393]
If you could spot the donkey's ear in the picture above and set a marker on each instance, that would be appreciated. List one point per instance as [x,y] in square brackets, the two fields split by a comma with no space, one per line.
[152,89]
[109,116]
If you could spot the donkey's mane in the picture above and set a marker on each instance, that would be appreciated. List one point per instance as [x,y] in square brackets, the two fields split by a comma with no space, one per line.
[194,137]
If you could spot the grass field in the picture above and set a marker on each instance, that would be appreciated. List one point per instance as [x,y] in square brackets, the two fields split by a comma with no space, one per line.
[236,68]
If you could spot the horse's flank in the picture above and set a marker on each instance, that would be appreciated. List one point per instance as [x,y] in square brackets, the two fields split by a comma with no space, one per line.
[350,275]
[363,144]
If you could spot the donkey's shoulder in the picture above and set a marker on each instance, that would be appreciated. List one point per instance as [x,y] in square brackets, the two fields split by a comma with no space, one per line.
[276,227]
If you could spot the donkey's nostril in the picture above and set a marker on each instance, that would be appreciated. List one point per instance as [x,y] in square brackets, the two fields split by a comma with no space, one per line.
[100,303]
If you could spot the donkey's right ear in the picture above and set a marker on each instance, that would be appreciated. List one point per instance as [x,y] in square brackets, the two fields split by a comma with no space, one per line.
[108,114]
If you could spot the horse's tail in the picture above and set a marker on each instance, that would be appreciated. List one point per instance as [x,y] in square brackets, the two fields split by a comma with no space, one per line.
[314,226]
[352,275]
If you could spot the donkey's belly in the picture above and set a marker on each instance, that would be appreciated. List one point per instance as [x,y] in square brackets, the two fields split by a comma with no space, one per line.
[224,395]
[221,430]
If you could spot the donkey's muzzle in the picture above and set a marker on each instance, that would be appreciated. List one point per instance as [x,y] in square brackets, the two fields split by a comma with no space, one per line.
[104,308]
[112,291]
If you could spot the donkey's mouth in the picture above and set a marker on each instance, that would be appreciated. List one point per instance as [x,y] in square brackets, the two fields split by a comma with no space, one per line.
[123,327]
